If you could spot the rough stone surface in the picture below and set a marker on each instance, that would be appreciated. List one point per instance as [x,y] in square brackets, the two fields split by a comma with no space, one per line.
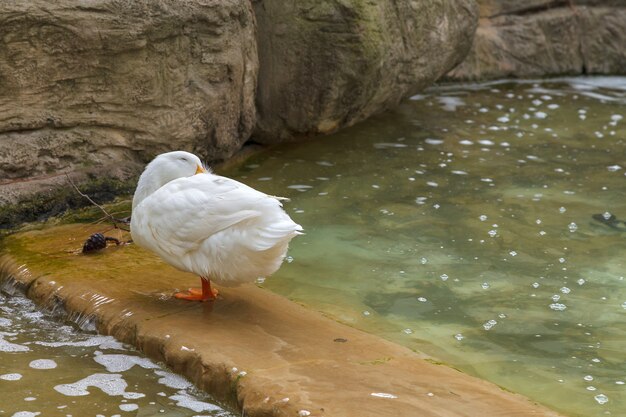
[102,82]
[327,64]
[546,37]
[268,356]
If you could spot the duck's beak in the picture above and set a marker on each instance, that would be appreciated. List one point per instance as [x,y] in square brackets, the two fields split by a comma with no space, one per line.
[200,170]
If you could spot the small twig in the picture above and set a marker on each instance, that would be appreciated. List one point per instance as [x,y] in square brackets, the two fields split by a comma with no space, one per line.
[114,220]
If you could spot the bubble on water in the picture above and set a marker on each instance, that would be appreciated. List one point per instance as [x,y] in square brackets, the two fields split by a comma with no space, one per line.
[304,413]
[492,233]
[466,142]
[485,285]
[423,261]
[513,253]
[432,184]
[591,388]
[129,407]
[432,141]
[486,142]
[624,305]
[553,106]
[408,331]
[260,280]
[535,285]
[444,277]
[606,215]
[43,364]
[502,315]
[558,307]
[421,299]
[556,297]
[596,360]
[11,377]
[562,209]
[489,324]
[26,414]
[565,290]
[581,281]
[572,227]
[614,168]
[482,217]
[616,117]
[504,119]
[561,260]
[421,200]
[620,382]
[289,259]
[588,378]
[366,313]
[300,187]
[383,395]
[459,337]
[601,399]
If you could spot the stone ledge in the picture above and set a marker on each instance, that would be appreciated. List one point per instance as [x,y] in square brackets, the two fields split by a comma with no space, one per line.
[262,353]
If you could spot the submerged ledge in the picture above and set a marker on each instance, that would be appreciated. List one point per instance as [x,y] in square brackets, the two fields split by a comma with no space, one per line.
[260,352]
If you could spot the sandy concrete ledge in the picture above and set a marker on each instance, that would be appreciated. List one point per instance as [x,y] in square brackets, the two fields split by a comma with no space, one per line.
[260,352]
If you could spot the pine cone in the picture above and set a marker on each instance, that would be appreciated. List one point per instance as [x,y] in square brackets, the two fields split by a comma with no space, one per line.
[95,242]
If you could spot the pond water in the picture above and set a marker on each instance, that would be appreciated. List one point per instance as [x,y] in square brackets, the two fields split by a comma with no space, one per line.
[461,225]
[49,368]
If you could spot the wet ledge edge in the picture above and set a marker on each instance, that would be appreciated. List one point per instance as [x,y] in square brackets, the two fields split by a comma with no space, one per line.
[269,356]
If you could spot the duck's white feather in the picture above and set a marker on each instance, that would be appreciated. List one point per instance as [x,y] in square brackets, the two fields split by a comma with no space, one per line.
[215,227]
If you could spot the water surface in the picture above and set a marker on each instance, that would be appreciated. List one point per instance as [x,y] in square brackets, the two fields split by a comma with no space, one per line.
[49,368]
[461,225]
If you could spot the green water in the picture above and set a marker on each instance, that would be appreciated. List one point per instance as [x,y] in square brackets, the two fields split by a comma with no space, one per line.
[52,369]
[460,225]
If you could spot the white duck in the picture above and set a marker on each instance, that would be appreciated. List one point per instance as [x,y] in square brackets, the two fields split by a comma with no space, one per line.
[213,226]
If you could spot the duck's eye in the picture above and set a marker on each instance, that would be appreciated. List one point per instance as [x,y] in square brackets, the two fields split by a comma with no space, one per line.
[183,159]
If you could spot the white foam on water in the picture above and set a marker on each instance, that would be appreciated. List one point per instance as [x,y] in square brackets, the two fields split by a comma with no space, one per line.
[43,364]
[111,384]
[26,414]
[11,377]
[6,346]
[187,401]
[121,362]
[172,380]
[103,342]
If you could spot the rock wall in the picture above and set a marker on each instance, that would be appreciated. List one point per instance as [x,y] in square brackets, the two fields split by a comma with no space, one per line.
[328,64]
[116,81]
[546,37]
[105,85]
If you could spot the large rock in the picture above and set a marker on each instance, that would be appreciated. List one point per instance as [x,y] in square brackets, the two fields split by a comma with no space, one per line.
[92,83]
[326,64]
[546,37]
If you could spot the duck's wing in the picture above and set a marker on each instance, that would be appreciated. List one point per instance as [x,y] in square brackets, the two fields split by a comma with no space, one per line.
[183,213]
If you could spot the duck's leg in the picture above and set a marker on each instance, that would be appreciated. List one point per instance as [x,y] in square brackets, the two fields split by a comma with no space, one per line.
[199,294]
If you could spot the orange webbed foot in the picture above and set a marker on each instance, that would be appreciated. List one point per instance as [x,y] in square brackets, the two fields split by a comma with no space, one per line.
[205,293]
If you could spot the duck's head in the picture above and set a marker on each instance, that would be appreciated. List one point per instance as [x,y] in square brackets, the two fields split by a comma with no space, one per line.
[165,168]
[169,166]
